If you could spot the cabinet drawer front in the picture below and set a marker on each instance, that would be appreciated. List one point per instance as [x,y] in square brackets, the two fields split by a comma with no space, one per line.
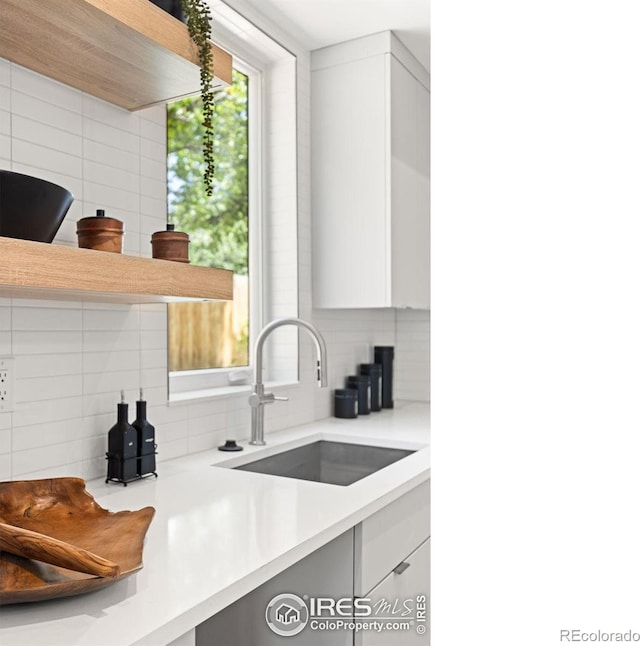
[386,538]
[396,599]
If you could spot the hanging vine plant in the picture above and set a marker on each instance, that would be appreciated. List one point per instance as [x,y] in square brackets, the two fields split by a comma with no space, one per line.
[199,23]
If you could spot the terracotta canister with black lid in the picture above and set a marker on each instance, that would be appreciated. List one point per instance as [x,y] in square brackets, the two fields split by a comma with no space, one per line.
[170,245]
[100,233]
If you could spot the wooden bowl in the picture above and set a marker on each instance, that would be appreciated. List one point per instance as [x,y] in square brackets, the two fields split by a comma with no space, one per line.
[63,509]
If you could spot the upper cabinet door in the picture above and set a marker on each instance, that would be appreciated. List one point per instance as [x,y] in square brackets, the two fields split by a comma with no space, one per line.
[369,174]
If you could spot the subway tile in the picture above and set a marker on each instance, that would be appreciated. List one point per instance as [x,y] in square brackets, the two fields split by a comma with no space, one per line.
[151,319]
[5,149]
[106,175]
[5,318]
[5,467]
[154,208]
[66,234]
[153,359]
[154,131]
[46,135]
[5,72]
[154,188]
[155,113]
[5,440]
[25,152]
[46,342]
[110,197]
[99,425]
[110,320]
[171,449]
[110,115]
[44,388]
[39,435]
[106,134]
[102,403]
[154,378]
[45,457]
[154,169]
[40,110]
[5,100]
[5,420]
[154,340]
[110,155]
[131,243]
[108,382]
[29,318]
[101,340]
[48,365]
[45,411]
[153,149]
[38,86]
[99,362]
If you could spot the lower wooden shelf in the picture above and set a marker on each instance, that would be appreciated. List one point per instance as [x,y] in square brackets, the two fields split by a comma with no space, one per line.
[48,271]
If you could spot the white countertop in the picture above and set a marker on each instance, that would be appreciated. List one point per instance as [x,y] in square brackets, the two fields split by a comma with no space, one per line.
[219,533]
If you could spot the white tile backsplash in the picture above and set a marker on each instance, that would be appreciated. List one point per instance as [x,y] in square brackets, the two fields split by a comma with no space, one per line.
[72,359]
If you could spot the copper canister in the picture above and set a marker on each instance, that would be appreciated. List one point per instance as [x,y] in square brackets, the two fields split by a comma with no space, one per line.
[100,233]
[170,245]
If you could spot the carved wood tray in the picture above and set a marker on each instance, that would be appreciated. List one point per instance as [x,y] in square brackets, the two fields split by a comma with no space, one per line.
[63,509]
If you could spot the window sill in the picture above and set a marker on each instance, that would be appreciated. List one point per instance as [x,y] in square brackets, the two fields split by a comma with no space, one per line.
[223,391]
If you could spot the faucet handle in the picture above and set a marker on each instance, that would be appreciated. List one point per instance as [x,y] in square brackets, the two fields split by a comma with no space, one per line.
[280,399]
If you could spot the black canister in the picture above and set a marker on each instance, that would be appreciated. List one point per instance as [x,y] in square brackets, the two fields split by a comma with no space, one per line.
[345,403]
[362,385]
[383,354]
[374,370]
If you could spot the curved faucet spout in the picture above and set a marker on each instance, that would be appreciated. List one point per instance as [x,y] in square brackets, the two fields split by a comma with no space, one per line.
[321,346]
[258,397]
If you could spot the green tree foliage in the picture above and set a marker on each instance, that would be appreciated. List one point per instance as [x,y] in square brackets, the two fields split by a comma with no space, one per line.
[217,225]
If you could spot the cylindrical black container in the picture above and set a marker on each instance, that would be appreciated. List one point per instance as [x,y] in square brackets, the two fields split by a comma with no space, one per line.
[362,385]
[345,403]
[146,446]
[122,463]
[383,354]
[374,370]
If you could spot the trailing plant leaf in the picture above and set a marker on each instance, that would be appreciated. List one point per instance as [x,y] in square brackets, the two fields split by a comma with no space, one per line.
[199,23]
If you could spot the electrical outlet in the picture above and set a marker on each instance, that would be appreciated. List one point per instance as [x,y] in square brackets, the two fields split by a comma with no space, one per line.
[7,373]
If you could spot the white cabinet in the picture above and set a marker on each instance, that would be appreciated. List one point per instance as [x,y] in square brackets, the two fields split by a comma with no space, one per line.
[404,593]
[392,569]
[370,175]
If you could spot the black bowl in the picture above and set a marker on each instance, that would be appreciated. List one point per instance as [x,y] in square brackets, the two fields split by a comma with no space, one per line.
[31,208]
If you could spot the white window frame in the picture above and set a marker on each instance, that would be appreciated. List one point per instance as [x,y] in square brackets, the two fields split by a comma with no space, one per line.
[217,382]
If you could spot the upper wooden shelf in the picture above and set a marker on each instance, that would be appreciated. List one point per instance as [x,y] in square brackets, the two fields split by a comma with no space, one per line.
[37,270]
[128,52]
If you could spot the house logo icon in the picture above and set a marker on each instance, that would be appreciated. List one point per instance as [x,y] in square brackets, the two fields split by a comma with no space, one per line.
[286,614]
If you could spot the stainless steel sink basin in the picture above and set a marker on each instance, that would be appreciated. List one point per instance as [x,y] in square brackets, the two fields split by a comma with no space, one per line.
[335,463]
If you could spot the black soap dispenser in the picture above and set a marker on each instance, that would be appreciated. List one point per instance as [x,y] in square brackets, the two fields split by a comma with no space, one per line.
[146,440]
[122,463]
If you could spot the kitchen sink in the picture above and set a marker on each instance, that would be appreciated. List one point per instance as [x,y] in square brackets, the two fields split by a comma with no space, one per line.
[335,463]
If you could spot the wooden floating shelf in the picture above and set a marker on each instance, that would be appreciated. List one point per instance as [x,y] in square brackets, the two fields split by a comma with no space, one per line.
[128,52]
[48,271]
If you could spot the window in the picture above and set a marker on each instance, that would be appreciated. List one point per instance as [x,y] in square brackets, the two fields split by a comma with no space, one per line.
[218,226]
[271,168]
